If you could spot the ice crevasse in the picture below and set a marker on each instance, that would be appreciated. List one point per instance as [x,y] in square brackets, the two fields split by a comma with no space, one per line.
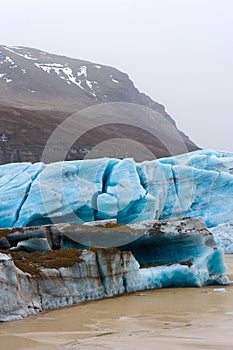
[199,183]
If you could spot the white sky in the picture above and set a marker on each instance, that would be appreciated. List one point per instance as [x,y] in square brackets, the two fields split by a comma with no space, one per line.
[180,52]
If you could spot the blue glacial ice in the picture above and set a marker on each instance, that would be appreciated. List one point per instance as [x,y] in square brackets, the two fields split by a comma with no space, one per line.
[166,253]
[179,252]
[223,235]
[195,184]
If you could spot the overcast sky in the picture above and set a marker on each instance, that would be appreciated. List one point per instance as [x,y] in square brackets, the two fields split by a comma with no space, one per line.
[180,52]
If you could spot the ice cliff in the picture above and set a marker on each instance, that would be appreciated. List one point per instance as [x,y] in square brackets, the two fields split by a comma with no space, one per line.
[51,220]
[155,254]
[195,184]
[223,235]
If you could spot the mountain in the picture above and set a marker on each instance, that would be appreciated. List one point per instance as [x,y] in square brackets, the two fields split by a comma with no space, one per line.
[36,79]
[38,90]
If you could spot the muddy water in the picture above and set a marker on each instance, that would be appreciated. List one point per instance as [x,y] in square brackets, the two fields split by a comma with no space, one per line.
[188,318]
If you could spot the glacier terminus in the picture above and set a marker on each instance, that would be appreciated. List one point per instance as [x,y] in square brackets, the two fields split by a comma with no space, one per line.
[197,184]
[109,226]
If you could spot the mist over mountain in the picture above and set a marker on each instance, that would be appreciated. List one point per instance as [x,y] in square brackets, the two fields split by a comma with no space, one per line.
[38,90]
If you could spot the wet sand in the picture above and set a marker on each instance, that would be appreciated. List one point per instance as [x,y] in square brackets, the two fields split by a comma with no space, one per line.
[163,319]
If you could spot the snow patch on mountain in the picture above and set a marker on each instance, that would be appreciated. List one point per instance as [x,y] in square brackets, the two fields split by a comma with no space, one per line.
[8,59]
[114,80]
[15,50]
[82,71]
[4,77]
[66,73]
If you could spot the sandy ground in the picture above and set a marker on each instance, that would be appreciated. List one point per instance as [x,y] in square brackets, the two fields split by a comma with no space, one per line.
[164,319]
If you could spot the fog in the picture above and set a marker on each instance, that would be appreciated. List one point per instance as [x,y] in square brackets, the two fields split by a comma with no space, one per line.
[177,51]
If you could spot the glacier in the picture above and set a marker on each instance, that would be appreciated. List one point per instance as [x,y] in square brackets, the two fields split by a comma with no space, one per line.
[156,254]
[150,224]
[197,184]
[223,235]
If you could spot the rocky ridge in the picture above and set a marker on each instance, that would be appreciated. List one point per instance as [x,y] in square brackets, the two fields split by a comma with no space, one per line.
[39,90]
